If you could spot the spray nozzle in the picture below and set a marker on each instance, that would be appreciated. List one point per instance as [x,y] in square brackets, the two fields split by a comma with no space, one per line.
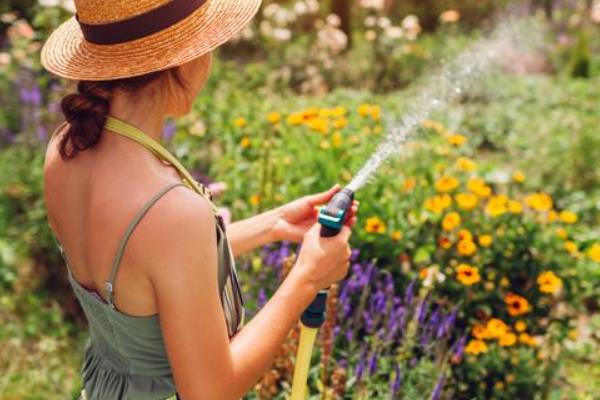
[333,215]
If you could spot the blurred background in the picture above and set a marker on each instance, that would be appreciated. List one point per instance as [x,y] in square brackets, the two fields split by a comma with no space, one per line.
[476,269]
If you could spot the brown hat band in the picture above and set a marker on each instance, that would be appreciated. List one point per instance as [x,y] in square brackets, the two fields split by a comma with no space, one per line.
[141,25]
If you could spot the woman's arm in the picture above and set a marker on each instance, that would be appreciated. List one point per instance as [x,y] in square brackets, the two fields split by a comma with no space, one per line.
[184,274]
[251,233]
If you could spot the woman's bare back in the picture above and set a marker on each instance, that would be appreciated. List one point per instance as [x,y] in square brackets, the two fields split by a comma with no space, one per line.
[90,201]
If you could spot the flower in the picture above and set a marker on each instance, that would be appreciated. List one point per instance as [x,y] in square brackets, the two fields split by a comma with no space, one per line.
[245,142]
[255,199]
[409,184]
[375,225]
[508,339]
[336,139]
[539,201]
[497,206]
[451,221]
[466,201]
[515,207]
[467,274]
[274,117]
[568,217]
[318,124]
[396,235]
[549,282]
[496,328]
[519,177]
[485,240]
[517,305]
[456,139]
[520,326]
[466,164]
[375,113]
[527,339]
[438,203]
[478,186]
[240,122]
[444,243]
[464,234]
[476,347]
[295,118]
[594,252]
[364,109]
[571,247]
[480,331]
[466,248]
[446,184]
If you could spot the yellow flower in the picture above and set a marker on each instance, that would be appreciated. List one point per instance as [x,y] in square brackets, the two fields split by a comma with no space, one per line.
[364,109]
[466,201]
[375,113]
[568,217]
[485,240]
[496,328]
[446,184]
[497,206]
[396,235]
[480,332]
[439,203]
[340,123]
[571,247]
[464,234]
[549,282]
[552,216]
[255,199]
[375,225]
[325,113]
[245,142]
[517,305]
[336,139]
[520,326]
[318,124]
[434,125]
[466,248]
[527,339]
[466,164]
[515,207]
[476,347]
[451,221]
[274,117]
[240,122]
[457,139]
[519,177]
[324,144]
[467,275]
[409,184]
[594,252]
[338,112]
[561,233]
[504,282]
[295,118]
[444,243]
[539,201]
[479,187]
[508,339]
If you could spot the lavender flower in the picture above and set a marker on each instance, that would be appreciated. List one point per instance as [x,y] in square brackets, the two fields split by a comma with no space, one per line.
[169,131]
[397,383]
[373,364]
[439,386]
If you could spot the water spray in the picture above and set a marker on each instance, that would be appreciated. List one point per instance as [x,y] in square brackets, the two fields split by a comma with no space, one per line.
[451,81]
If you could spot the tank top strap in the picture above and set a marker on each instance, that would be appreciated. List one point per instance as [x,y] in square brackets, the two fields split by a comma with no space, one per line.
[109,284]
[123,128]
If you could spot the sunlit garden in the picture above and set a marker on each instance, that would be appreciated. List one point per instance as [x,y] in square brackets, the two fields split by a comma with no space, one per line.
[476,265]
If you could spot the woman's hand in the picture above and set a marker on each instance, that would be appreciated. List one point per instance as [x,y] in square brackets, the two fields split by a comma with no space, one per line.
[298,216]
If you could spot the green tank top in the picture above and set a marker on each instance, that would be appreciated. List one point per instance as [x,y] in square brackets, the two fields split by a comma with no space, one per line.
[125,356]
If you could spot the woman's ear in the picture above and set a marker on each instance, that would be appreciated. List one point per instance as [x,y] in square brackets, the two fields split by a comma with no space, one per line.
[184,82]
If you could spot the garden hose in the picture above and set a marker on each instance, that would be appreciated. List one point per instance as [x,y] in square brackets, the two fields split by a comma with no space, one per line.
[331,218]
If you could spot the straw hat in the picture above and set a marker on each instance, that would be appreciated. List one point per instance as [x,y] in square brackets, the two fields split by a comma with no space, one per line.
[112,39]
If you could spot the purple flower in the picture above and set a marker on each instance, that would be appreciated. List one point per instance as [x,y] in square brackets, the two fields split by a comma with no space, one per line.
[35,96]
[447,324]
[422,311]
[42,134]
[459,347]
[373,364]
[397,383]
[355,254]
[169,131]
[262,297]
[362,361]
[439,386]
[410,293]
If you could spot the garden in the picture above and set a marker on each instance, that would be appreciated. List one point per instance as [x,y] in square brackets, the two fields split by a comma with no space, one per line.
[475,272]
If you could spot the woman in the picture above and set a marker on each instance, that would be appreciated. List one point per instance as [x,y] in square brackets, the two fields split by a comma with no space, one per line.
[148,258]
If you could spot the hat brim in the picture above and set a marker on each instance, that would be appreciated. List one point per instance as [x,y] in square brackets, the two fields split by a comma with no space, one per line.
[66,52]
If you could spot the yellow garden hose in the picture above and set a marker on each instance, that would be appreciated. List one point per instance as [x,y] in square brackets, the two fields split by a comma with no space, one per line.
[308,338]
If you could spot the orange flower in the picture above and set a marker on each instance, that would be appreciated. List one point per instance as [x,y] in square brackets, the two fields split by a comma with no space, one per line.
[245,142]
[515,207]
[466,248]
[466,201]
[507,339]
[480,332]
[274,117]
[255,199]
[519,177]
[485,240]
[240,122]
[439,203]
[446,184]
[451,221]
[478,186]
[497,206]
[375,225]
[444,243]
[496,328]
[464,234]
[396,235]
[520,326]
[467,275]
[517,305]
[476,347]
[571,247]
[466,164]
[539,202]
[549,282]
[527,339]
[409,184]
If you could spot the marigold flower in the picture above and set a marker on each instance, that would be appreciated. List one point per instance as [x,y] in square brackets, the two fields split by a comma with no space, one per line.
[438,203]
[245,142]
[520,326]
[457,139]
[434,125]
[480,332]
[561,233]
[375,225]
[549,282]
[319,125]
[464,234]
[396,235]
[451,221]
[340,123]
[255,199]
[497,206]
[446,184]
[240,122]
[295,118]
[466,164]
[364,109]
[485,240]
[517,305]
[466,201]
[527,339]
[508,339]
[478,186]
[515,207]
[571,247]
[496,328]
[336,139]
[539,202]
[375,113]
[274,117]
[444,243]
[552,216]
[568,217]
[467,274]
[519,177]
[466,248]
[338,112]
[476,347]
[594,252]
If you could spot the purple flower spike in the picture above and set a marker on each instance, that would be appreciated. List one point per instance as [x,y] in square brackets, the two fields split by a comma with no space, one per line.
[169,131]
[439,386]
[397,383]
[373,364]
[410,293]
